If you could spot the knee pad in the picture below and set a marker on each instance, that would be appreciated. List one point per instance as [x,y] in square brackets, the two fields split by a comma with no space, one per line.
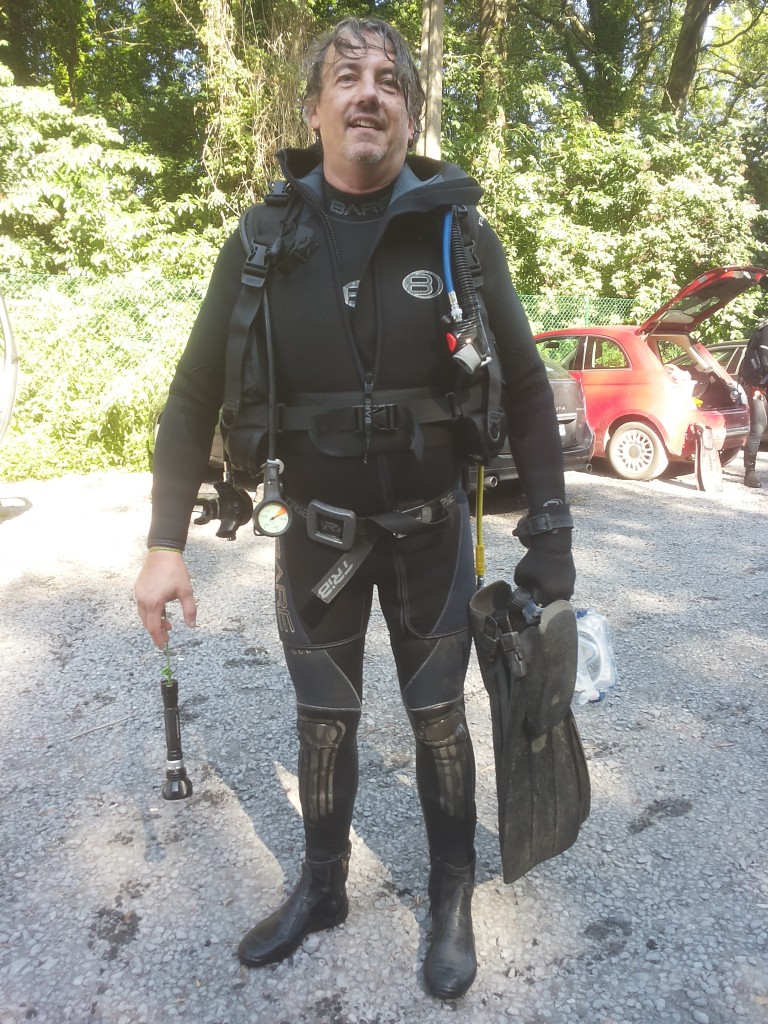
[442,735]
[319,743]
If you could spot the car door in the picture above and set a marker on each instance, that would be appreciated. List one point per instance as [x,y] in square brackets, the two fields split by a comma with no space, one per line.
[610,385]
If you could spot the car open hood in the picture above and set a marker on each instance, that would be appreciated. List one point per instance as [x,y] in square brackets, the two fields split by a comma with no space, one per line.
[703,297]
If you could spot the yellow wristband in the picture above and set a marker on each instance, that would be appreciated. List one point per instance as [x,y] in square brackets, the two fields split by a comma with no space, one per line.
[157,548]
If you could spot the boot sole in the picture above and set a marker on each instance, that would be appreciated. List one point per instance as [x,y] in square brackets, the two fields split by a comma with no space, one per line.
[281,953]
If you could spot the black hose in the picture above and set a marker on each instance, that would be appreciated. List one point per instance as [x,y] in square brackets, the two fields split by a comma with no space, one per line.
[465,288]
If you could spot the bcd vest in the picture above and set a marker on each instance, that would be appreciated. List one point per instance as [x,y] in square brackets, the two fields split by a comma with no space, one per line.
[275,240]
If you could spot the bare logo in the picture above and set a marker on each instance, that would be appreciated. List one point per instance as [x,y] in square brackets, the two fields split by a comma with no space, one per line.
[376,208]
[281,597]
[423,284]
[350,293]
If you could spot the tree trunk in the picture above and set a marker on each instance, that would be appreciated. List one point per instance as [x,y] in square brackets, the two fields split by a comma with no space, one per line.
[432,23]
[686,57]
[21,23]
[492,22]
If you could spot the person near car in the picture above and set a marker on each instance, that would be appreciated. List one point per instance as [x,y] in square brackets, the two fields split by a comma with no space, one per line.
[758,422]
[363,315]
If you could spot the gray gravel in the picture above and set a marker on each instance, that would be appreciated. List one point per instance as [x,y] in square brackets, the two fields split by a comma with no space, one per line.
[118,907]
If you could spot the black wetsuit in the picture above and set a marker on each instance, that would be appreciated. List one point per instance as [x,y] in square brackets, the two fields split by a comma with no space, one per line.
[364,312]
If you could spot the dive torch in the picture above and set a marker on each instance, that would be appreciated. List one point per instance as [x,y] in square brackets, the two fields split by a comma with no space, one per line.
[177,785]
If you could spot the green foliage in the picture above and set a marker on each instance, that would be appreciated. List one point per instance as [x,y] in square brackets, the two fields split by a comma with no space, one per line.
[167,670]
[139,64]
[253,96]
[67,186]
[72,196]
[618,213]
[732,90]
[95,360]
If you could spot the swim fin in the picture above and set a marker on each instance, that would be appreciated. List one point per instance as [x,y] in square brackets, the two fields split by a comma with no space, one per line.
[529,671]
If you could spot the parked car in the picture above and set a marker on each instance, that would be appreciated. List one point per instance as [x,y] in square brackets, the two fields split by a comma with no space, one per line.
[576,434]
[642,403]
[729,354]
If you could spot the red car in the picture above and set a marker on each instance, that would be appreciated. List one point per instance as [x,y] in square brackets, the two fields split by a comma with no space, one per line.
[642,405]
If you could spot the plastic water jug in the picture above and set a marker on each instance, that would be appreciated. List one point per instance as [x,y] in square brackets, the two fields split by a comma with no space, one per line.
[596,669]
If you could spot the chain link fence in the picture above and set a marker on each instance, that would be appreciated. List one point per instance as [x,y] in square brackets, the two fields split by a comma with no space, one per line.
[551,312]
[96,358]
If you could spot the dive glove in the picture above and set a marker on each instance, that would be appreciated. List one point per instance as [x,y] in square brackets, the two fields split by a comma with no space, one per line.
[547,569]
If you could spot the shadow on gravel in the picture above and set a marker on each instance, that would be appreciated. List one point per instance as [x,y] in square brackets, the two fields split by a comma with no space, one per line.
[10,508]
[106,882]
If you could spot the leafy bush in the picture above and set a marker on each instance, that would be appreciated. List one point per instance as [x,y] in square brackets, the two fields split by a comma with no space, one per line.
[95,361]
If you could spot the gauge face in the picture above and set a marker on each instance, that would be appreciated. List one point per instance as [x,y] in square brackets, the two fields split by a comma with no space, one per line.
[273,518]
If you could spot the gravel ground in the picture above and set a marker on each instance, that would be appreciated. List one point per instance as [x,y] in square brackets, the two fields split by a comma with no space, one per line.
[119,907]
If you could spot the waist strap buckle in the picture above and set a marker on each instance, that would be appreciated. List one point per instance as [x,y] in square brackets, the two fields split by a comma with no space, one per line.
[336,527]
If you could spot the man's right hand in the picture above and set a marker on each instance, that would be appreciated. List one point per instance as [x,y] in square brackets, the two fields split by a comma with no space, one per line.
[163,578]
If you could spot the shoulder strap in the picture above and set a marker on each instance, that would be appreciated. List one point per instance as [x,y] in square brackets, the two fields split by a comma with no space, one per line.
[272,239]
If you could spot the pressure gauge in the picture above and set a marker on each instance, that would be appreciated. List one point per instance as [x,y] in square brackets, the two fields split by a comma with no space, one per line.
[272,518]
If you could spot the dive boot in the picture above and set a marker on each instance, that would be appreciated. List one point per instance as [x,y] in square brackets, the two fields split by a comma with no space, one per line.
[751,478]
[450,965]
[319,901]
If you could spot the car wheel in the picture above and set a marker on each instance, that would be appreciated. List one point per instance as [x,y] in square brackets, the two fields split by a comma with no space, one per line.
[729,455]
[635,452]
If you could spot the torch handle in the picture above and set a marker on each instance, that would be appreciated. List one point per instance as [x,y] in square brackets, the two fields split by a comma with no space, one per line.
[177,785]
[170,692]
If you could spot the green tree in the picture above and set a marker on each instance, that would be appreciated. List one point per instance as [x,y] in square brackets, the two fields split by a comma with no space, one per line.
[137,63]
[613,213]
[731,89]
[145,73]
[67,185]
[46,41]
[71,193]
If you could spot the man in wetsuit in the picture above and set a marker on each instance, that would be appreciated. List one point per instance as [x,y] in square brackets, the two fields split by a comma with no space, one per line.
[358,326]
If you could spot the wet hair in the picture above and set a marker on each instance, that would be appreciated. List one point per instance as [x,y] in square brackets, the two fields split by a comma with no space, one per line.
[353,35]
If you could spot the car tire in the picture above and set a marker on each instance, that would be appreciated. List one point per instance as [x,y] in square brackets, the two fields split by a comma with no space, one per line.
[636,452]
[727,456]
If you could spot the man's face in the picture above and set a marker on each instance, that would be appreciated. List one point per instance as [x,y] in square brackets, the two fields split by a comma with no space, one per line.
[362,119]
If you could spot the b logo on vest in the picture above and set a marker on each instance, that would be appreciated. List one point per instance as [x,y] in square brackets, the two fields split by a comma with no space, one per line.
[423,284]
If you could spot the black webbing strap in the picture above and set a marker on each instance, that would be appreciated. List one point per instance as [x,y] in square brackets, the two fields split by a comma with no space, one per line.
[342,411]
[420,519]
[280,244]
[499,639]
[247,306]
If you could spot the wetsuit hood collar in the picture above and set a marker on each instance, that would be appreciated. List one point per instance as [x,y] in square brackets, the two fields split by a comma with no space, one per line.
[420,177]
